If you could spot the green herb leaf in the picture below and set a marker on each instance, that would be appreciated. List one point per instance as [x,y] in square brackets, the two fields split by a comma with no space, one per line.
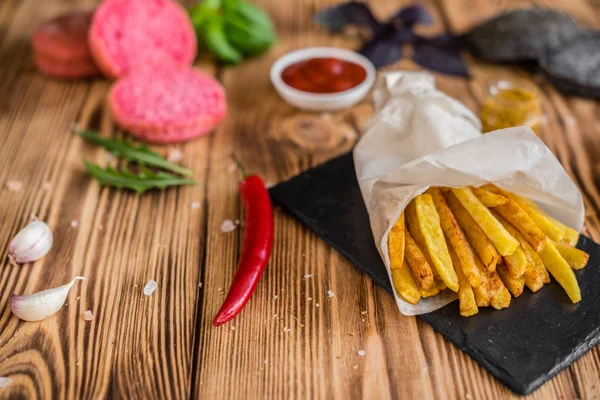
[141,182]
[132,152]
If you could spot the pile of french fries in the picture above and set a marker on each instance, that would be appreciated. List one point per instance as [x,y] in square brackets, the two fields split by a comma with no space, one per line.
[483,243]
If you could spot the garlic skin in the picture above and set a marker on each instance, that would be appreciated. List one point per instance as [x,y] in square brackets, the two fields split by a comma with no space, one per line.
[31,243]
[41,305]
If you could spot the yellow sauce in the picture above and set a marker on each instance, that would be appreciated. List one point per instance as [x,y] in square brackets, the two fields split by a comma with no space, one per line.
[509,107]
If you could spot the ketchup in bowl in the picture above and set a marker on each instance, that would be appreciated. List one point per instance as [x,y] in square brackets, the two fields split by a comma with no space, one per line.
[323,75]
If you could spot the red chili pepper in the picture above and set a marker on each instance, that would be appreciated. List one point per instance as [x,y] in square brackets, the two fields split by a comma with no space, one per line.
[258,242]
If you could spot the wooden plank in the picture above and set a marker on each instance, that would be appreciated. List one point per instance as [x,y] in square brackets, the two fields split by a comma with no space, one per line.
[137,346]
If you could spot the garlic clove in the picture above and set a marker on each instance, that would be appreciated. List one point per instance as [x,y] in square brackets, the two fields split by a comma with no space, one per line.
[41,305]
[31,243]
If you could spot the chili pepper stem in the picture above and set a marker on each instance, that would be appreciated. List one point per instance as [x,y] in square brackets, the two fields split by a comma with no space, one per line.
[240,166]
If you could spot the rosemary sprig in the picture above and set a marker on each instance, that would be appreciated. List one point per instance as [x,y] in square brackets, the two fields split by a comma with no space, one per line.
[131,152]
[140,182]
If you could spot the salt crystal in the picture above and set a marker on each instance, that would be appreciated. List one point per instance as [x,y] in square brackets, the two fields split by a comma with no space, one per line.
[265,362]
[200,285]
[355,366]
[5,381]
[307,276]
[286,329]
[362,353]
[87,315]
[275,315]
[330,293]
[175,155]
[309,299]
[150,287]
[195,205]
[269,184]
[228,226]
[74,224]
[275,297]
[14,186]
[46,185]
[317,305]
[237,221]
[233,328]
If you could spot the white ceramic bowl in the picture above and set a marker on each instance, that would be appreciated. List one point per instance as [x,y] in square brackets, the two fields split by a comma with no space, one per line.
[322,101]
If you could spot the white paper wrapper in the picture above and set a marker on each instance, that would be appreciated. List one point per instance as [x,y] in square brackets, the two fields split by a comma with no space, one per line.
[420,137]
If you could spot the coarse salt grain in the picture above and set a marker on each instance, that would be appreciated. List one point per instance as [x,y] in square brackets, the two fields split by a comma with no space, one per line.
[195,205]
[307,276]
[175,155]
[330,293]
[5,381]
[150,287]
[265,362]
[286,329]
[233,328]
[200,285]
[87,315]
[362,353]
[14,186]
[275,315]
[74,224]
[275,297]
[228,226]
[317,305]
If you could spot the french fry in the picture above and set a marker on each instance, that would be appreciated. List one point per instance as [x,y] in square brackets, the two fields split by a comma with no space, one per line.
[517,262]
[518,218]
[576,258]
[456,238]
[514,285]
[571,236]
[396,244]
[429,221]
[466,297]
[560,270]
[542,221]
[482,293]
[429,292]
[533,284]
[405,284]
[489,199]
[502,240]
[499,294]
[417,263]
[412,225]
[480,243]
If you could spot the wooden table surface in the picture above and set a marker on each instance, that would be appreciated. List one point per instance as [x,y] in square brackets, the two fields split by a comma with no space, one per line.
[292,341]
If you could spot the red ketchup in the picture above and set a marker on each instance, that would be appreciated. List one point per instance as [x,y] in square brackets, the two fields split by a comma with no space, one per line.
[323,75]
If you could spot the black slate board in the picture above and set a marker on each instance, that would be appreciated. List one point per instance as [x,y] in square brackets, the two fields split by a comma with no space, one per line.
[522,346]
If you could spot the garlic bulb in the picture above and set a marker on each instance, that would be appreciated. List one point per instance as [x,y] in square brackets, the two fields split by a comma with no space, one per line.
[31,243]
[41,305]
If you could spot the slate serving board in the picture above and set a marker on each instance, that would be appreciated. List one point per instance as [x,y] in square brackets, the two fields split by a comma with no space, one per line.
[522,346]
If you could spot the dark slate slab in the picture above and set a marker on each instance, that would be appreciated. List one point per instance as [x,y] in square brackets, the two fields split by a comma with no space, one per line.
[523,346]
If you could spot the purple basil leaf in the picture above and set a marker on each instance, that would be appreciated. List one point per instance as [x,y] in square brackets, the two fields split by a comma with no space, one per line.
[440,54]
[335,18]
[412,15]
[382,51]
[386,47]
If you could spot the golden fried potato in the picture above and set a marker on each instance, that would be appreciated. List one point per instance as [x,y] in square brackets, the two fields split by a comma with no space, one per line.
[455,236]
[516,262]
[552,231]
[466,297]
[502,240]
[429,292]
[571,236]
[518,218]
[499,294]
[420,268]
[514,285]
[412,225]
[482,293]
[480,243]
[576,258]
[405,284]
[489,199]
[396,244]
[429,221]
[560,270]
